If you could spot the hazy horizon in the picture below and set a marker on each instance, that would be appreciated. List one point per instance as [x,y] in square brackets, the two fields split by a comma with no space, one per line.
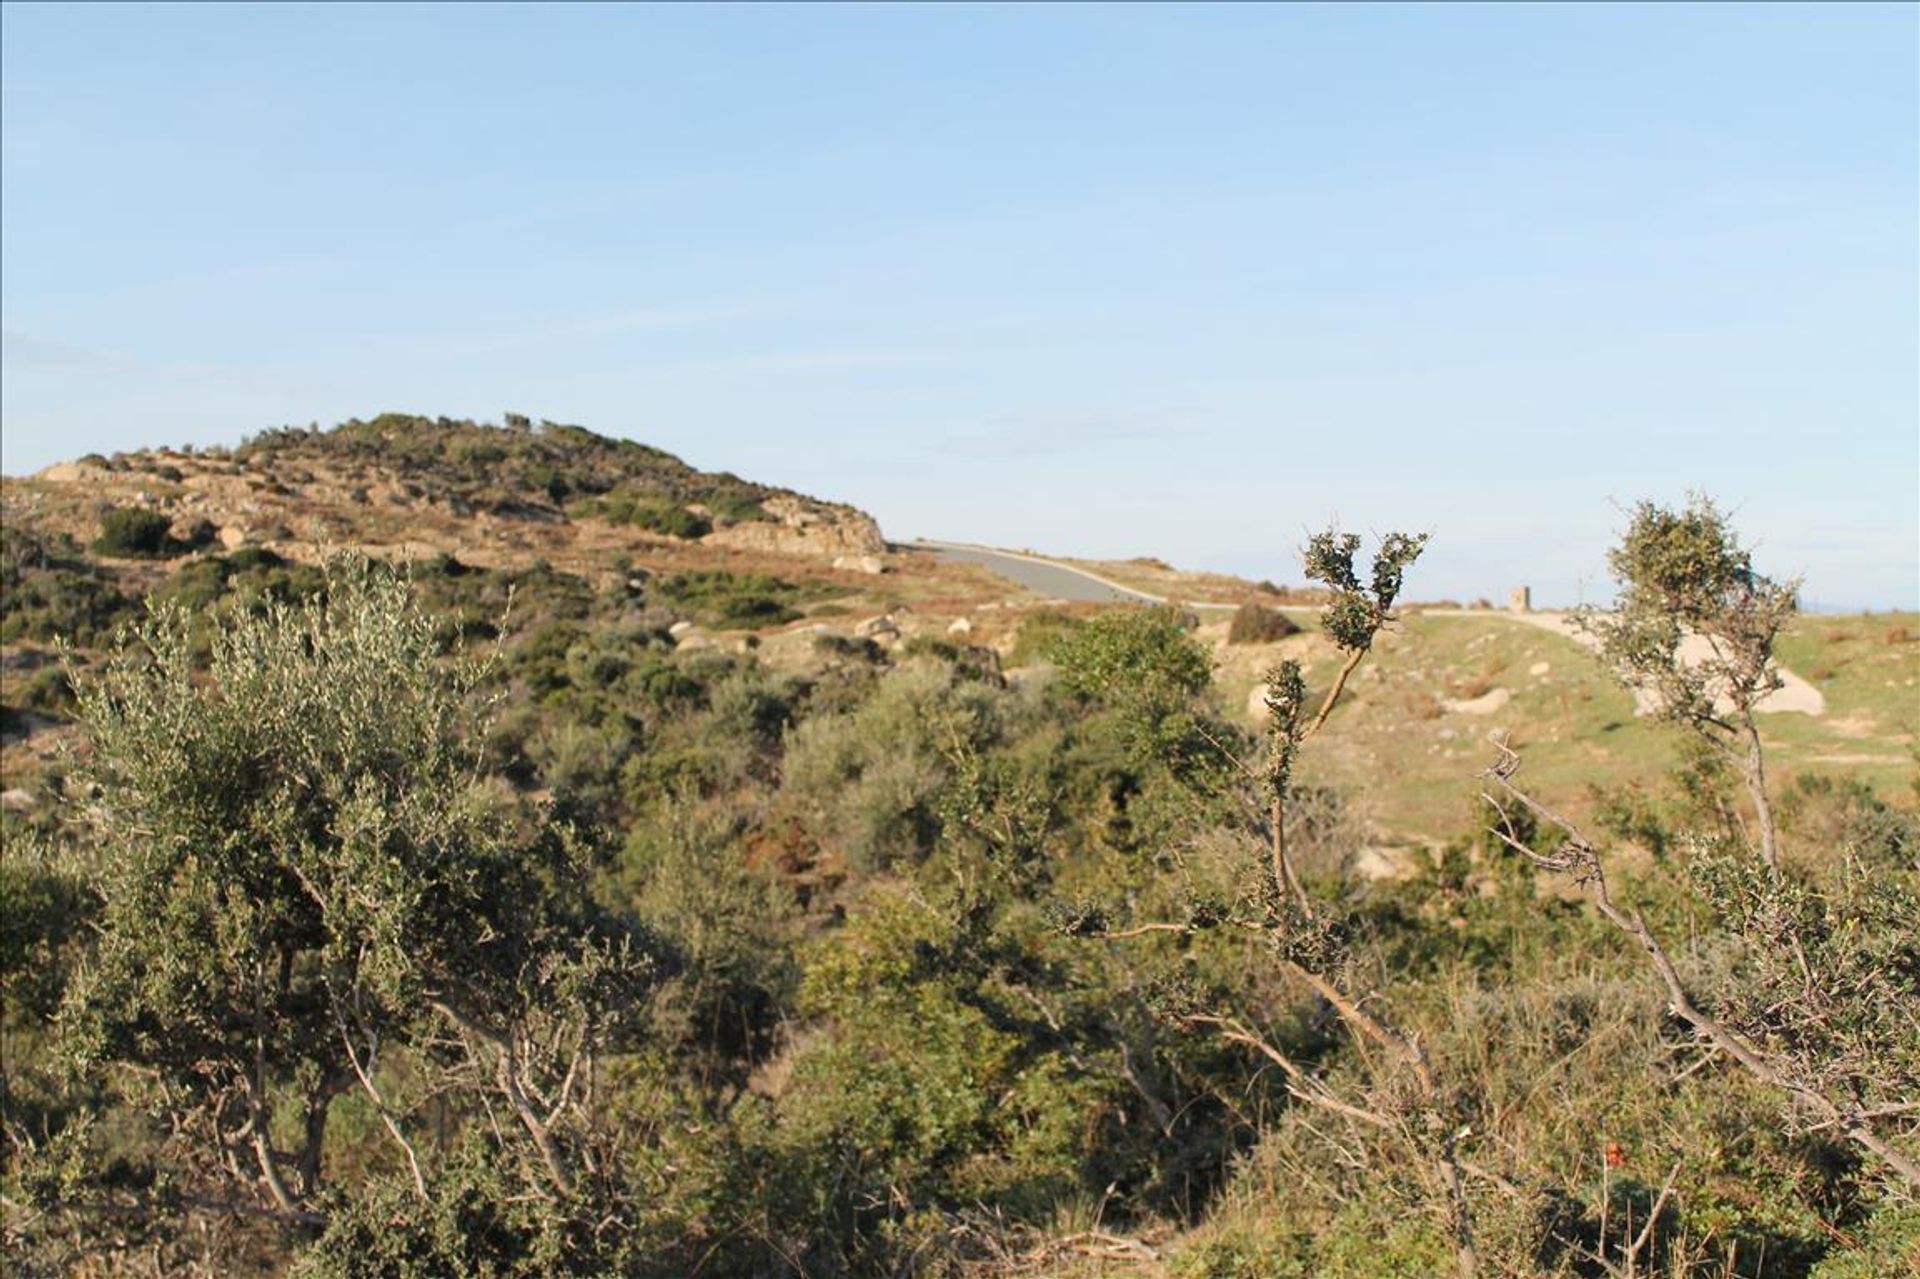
[1101,282]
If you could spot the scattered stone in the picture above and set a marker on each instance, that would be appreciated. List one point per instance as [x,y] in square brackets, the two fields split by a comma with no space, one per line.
[1540,668]
[15,800]
[678,629]
[960,626]
[875,627]
[233,536]
[859,563]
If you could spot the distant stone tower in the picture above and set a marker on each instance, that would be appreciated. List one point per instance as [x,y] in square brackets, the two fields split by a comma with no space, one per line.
[1521,600]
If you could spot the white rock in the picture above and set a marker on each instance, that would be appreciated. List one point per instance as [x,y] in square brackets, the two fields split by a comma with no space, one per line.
[859,563]
[679,629]
[1539,668]
[876,626]
[960,626]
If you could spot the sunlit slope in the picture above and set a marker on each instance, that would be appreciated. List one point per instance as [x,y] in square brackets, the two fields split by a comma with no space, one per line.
[1411,736]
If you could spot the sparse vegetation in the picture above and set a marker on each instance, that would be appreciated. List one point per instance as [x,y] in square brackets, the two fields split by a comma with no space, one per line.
[656,515]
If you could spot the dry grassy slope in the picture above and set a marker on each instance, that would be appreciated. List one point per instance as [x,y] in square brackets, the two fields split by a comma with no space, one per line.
[1411,738]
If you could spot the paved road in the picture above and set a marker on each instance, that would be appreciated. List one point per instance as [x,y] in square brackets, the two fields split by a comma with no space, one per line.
[1050,578]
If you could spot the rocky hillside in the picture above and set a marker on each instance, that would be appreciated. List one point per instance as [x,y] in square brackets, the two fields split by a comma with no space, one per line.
[403,483]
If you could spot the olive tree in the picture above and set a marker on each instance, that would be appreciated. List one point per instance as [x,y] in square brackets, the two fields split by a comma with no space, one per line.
[307,888]
[1816,988]
[1694,630]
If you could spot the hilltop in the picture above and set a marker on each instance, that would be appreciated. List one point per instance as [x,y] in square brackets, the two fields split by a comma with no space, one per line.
[403,483]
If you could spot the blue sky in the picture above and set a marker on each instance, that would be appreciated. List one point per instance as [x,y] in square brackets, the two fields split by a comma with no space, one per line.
[1182,282]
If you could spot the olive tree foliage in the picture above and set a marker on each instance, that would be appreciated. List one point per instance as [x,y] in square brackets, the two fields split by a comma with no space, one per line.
[1810,981]
[1686,584]
[309,889]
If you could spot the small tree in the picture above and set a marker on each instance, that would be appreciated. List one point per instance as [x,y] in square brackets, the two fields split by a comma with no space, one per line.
[1823,994]
[1695,629]
[304,880]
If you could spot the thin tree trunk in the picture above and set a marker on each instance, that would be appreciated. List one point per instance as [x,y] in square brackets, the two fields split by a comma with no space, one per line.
[1284,880]
[1755,770]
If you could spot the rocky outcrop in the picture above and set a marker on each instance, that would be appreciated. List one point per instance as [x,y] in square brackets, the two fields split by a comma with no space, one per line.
[800,527]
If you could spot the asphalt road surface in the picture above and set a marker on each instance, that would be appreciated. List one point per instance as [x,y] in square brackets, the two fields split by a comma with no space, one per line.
[1043,577]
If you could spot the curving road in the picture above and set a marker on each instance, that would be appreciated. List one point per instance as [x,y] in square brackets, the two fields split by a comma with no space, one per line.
[1049,578]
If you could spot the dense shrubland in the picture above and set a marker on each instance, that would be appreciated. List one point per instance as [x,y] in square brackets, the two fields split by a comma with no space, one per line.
[464,922]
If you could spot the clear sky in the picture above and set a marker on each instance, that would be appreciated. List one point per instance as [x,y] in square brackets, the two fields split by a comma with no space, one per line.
[1181,282]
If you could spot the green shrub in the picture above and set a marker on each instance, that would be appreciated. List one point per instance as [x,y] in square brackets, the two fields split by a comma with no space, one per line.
[731,928]
[857,648]
[1038,634]
[921,1094]
[867,783]
[299,866]
[970,660]
[1141,663]
[47,691]
[649,511]
[1141,654]
[133,532]
[1257,624]
[734,601]
[81,606]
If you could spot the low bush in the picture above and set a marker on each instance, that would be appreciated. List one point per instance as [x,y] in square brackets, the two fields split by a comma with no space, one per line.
[648,511]
[133,532]
[1038,633]
[734,601]
[82,606]
[1258,624]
